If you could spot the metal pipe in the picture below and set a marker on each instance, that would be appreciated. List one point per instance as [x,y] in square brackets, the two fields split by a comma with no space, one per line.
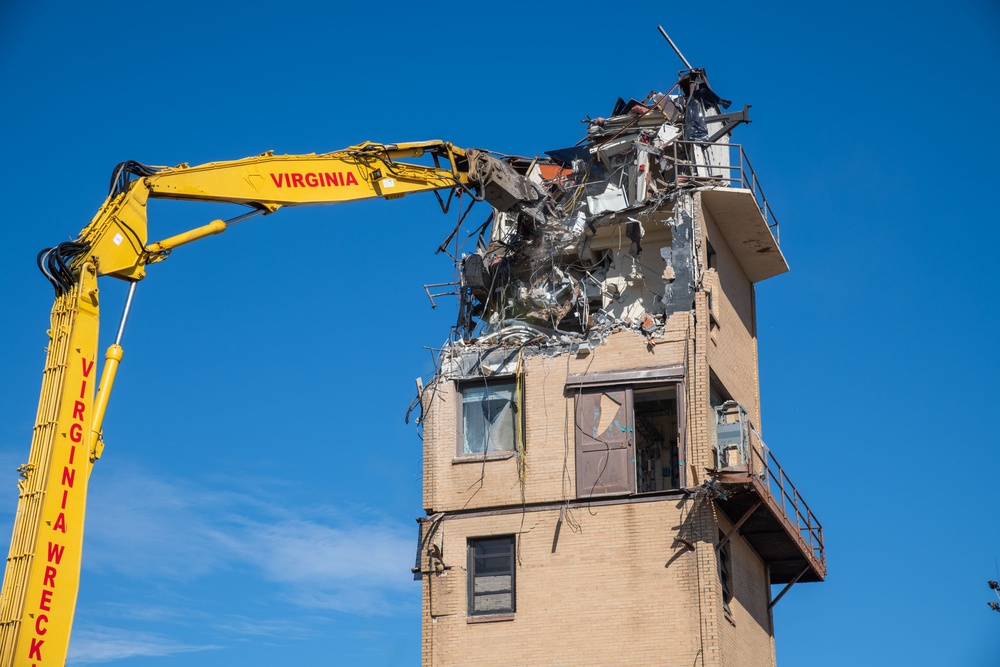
[784,590]
[214,227]
[738,525]
[674,46]
[244,216]
[125,312]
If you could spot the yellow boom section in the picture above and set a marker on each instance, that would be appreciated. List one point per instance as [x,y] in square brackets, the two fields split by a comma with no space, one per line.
[360,172]
[42,576]
[266,182]
[43,568]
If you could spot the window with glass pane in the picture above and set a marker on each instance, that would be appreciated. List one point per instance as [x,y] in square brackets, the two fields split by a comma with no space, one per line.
[491,575]
[488,414]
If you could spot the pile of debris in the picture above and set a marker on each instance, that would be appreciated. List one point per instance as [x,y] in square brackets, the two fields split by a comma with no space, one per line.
[568,253]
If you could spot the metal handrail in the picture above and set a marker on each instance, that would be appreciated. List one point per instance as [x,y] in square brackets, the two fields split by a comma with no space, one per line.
[739,173]
[796,510]
[763,467]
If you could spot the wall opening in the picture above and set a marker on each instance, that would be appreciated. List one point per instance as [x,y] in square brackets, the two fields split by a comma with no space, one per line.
[657,433]
[628,439]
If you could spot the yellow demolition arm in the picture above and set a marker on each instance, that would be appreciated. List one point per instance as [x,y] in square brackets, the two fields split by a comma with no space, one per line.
[38,597]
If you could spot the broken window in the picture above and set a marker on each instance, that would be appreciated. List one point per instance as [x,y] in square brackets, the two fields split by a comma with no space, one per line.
[628,439]
[726,574]
[491,575]
[488,416]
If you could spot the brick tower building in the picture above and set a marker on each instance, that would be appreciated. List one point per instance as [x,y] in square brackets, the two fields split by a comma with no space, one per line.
[596,488]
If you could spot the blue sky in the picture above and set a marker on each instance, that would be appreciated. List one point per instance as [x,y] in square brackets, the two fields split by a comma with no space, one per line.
[256,498]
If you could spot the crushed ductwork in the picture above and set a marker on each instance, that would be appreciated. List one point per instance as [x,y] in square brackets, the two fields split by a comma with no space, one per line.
[597,236]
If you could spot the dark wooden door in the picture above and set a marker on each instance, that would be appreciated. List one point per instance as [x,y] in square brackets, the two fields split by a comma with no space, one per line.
[605,442]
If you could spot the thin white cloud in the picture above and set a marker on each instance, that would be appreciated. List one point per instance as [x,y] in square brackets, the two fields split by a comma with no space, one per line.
[308,552]
[96,645]
[255,628]
[143,612]
[314,558]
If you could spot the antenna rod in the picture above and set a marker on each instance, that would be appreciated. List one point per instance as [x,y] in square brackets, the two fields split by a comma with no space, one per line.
[674,46]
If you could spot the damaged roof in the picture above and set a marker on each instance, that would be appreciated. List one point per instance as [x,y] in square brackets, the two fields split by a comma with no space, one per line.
[599,236]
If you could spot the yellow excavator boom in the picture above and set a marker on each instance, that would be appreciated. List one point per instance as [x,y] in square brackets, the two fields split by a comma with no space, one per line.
[38,597]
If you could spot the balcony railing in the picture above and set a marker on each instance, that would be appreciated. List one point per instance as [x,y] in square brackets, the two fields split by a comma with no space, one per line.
[740,447]
[722,164]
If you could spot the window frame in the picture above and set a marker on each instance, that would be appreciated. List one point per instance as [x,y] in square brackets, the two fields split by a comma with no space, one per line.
[628,380]
[460,455]
[498,614]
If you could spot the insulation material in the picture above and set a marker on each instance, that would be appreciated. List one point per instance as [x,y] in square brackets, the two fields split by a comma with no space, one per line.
[612,199]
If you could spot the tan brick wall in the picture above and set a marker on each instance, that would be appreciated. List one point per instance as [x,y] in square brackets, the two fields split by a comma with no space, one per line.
[732,349]
[549,429]
[746,637]
[616,590]
[701,426]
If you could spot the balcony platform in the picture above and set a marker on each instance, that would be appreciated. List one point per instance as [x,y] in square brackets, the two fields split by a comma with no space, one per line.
[773,518]
[739,216]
